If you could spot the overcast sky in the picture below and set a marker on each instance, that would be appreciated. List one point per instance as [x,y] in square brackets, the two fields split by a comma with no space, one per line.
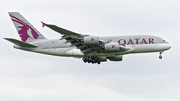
[26,76]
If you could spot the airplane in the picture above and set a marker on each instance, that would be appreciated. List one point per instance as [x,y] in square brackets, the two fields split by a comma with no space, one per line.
[92,49]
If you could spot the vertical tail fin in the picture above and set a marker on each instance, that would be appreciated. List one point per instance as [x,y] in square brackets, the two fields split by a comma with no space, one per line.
[26,31]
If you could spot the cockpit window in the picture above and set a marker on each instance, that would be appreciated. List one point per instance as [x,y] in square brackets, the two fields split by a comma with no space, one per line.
[164,41]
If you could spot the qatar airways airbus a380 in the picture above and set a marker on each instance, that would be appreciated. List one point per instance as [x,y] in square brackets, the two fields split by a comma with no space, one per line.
[92,49]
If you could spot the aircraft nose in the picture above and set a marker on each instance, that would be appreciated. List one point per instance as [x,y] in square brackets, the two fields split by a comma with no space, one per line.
[168,46]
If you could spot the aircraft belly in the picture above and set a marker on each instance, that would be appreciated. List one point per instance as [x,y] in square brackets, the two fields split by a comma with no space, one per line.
[74,52]
[53,51]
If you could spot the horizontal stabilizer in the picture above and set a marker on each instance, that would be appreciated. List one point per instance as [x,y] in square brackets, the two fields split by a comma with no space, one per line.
[20,43]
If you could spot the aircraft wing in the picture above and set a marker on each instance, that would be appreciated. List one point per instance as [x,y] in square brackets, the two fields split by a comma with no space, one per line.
[61,30]
[78,40]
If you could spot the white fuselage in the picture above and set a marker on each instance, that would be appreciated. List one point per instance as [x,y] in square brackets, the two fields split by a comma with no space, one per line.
[135,43]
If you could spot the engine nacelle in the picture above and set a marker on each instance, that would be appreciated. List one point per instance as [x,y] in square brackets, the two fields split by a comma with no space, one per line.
[116,58]
[102,59]
[111,46]
[91,40]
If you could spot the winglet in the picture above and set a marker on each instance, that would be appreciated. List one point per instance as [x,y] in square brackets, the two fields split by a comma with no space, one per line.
[43,24]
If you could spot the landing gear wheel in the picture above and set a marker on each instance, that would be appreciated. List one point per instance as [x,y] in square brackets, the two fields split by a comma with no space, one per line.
[160,55]
[92,59]
[98,62]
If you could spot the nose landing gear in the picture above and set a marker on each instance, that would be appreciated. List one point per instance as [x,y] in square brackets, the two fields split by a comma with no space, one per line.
[160,55]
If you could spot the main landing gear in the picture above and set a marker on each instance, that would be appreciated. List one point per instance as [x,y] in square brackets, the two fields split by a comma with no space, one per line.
[160,55]
[92,59]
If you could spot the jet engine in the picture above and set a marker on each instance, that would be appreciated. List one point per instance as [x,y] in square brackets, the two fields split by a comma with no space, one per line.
[102,59]
[111,46]
[115,58]
[91,40]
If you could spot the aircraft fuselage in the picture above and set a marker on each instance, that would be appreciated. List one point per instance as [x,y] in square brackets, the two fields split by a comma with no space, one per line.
[136,43]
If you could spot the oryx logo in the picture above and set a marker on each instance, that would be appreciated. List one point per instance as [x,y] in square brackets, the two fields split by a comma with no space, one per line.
[113,46]
[92,39]
[25,31]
